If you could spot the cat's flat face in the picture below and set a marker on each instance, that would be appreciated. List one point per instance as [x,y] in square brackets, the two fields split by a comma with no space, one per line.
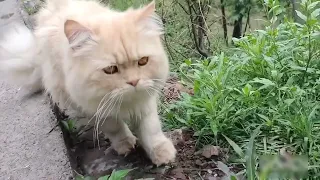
[130,61]
[121,54]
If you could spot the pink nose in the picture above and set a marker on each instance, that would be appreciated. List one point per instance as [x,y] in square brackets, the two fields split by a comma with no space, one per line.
[133,83]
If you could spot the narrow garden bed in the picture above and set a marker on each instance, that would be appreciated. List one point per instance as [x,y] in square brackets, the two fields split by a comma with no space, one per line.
[89,159]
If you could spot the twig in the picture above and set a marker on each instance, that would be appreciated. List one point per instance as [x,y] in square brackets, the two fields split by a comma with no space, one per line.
[57,124]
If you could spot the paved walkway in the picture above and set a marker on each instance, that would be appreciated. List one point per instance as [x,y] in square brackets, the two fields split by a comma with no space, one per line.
[27,151]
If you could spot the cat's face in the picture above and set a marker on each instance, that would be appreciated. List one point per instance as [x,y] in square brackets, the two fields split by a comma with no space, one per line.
[121,54]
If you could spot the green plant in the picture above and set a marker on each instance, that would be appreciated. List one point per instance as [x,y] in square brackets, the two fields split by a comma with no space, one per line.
[115,175]
[69,125]
[272,80]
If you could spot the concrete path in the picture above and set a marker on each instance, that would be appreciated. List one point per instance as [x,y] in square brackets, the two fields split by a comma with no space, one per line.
[27,150]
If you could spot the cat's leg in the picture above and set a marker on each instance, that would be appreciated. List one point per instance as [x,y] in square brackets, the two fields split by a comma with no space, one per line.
[159,148]
[122,139]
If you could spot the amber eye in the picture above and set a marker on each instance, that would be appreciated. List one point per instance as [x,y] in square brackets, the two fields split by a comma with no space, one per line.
[111,69]
[143,61]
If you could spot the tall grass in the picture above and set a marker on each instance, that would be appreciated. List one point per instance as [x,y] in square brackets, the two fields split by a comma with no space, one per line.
[272,80]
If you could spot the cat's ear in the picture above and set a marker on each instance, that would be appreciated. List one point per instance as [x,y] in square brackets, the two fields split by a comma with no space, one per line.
[77,35]
[149,21]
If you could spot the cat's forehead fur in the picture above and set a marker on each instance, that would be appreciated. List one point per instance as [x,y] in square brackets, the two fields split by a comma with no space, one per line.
[123,41]
[127,36]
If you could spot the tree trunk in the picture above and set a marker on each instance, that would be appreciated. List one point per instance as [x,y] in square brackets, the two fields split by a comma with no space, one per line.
[237,30]
[247,22]
[201,32]
[224,22]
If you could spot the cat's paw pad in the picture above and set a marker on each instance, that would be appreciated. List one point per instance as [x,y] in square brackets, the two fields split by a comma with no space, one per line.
[124,146]
[163,153]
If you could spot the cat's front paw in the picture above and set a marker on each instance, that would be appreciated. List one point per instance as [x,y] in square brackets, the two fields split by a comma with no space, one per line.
[163,153]
[124,146]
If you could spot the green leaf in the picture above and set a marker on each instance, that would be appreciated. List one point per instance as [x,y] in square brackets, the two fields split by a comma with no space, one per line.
[71,124]
[302,16]
[188,62]
[263,117]
[79,177]
[104,177]
[251,156]
[263,81]
[303,2]
[65,125]
[181,120]
[119,175]
[214,128]
[288,101]
[315,13]
[223,167]
[247,89]
[266,82]
[233,177]
[313,5]
[313,113]
[235,147]
[88,178]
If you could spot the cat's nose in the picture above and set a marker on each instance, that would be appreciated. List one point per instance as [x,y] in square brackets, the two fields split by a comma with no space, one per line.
[134,82]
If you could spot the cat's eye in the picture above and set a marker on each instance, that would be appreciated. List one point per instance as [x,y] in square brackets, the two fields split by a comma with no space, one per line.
[143,61]
[111,69]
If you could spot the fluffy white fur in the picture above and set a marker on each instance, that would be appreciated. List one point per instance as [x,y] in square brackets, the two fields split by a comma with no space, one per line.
[73,43]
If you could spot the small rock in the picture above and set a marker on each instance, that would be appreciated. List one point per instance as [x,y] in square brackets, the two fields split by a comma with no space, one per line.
[209,151]
[198,162]
[160,170]
[213,178]
[178,173]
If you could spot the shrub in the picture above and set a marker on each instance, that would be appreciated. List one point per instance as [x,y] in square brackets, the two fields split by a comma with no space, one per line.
[272,80]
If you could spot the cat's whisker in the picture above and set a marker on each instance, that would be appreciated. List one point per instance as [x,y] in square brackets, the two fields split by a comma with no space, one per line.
[149,93]
[103,102]
[104,108]
[110,105]
[99,106]
[119,107]
[159,92]
[106,103]
[162,80]
[156,90]
[113,104]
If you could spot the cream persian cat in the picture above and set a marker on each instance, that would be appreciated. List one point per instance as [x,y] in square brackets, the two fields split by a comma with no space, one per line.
[110,65]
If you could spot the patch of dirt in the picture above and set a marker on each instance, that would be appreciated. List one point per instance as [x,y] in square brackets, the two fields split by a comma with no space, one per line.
[88,159]
[173,88]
